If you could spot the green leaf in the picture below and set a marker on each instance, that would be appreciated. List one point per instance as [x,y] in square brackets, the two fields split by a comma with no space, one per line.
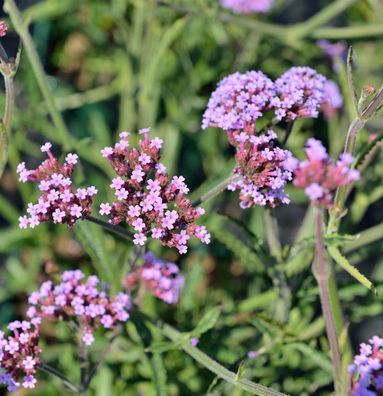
[207,322]
[159,374]
[343,262]
[319,358]
[336,239]
[240,371]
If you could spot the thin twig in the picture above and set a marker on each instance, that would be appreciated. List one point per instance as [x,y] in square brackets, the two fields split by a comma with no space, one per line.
[115,229]
[67,382]
[216,190]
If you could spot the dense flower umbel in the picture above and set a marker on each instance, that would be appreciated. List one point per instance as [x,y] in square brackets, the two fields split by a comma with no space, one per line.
[81,300]
[300,93]
[367,370]
[20,355]
[58,201]
[263,170]
[238,101]
[320,176]
[147,198]
[247,6]
[333,99]
[3,28]
[159,277]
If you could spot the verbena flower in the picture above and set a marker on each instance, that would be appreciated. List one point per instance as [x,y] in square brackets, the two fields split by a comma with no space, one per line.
[81,300]
[147,199]
[319,176]
[367,369]
[59,201]
[3,28]
[262,169]
[159,277]
[238,101]
[247,6]
[20,355]
[299,94]
[333,99]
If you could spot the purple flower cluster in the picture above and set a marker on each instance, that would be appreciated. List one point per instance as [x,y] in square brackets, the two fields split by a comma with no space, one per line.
[147,199]
[59,201]
[159,277]
[319,176]
[238,101]
[333,99]
[299,94]
[241,99]
[20,355]
[367,370]
[262,169]
[79,299]
[247,6]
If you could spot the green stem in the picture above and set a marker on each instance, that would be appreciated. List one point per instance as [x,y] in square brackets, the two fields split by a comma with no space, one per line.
[322,17]
[277,270]
[67,383]
[350,32]
[337,211]
[322,273]
[114,229]
[83,361]
[214,366]
[216,190]
[5,131]
[10,7]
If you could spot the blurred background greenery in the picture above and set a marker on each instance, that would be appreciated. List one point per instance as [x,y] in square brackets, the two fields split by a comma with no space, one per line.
[128,64]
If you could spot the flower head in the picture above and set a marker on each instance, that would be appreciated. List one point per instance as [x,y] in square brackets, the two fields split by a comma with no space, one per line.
[247,6]
[59,201]
[367,369]
[299,94]
[159,277]
[262,171]
[3,28]
[19,355]
[239,100]
[148,200]
[82,299]
[319,176]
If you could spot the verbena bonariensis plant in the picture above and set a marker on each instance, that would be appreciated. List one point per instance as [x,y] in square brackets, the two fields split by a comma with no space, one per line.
[257,114]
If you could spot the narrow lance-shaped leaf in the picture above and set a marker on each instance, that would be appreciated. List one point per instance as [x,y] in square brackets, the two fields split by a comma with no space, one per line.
[207,322]
[343,262]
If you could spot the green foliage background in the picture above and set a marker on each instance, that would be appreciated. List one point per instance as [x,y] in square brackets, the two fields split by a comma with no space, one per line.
[127,64]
